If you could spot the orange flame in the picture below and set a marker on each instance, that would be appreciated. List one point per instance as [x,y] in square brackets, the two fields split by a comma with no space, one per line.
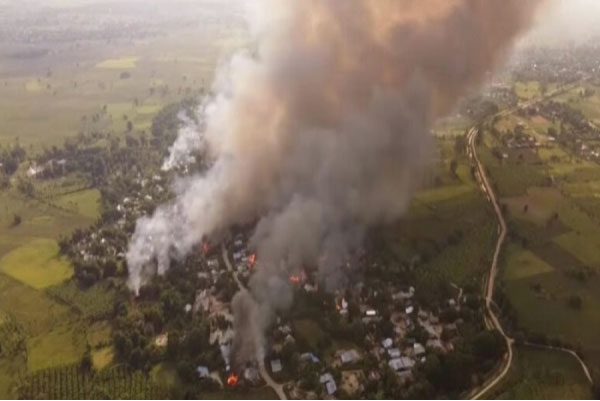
[233,380]
[252,261]
[205,248]
[295,279]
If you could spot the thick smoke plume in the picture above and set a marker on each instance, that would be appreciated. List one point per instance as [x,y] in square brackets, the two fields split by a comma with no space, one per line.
[319,133]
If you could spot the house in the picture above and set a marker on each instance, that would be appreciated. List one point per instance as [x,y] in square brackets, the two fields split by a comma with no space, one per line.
[276,366]
[327,380]
[387,343]
[202,372]
[331,387]
[349,356]
[251,374]
[401,364]
[309,357]
[394,353]
[418,349]
[409,310]
[371,313]
[435,344]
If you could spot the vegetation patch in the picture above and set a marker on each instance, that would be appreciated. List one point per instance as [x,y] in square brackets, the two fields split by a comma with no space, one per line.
[102,358]
[544,375]
[95,302]
[85,203]
[62,346]
[37,264]
[583,247]
[124,63]
[524,264]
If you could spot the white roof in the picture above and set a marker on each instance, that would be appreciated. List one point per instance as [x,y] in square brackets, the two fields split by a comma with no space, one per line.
[327,377]
[388,342]
[394,353]
[350,356]
[202,371]
[276,365]
[419,349]
[331,387]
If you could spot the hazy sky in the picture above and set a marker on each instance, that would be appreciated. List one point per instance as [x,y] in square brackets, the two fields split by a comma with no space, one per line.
[564,21]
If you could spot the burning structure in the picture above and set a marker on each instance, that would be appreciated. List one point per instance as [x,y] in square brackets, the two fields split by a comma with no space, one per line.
[318,134]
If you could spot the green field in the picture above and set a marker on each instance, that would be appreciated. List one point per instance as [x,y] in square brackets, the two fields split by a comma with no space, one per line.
[62,346]
[123,63]
[542,375]
[37,264]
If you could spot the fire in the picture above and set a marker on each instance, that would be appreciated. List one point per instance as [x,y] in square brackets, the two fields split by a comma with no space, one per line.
[233,380]
[298,279]
[205,248]
[252,261]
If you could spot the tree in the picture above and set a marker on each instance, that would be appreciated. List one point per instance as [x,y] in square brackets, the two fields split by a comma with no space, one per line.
[488,344]
[16,220]
[454,167]
[86,363]
[575,302]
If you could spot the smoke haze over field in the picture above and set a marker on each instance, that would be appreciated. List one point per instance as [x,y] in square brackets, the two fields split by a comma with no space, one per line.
[320,133]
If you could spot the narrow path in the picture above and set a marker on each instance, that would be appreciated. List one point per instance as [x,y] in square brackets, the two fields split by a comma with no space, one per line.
[278,388]
[584,367]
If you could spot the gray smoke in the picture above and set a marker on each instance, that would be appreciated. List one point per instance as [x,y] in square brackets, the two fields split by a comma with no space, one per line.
[320,133]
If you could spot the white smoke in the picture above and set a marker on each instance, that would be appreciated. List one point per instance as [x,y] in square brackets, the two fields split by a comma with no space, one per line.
[322,131]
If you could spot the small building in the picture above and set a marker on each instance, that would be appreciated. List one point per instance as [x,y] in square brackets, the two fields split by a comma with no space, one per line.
[202,372]
[349,356]
[394,353]
[309,357]
[276,366]
[325,378]
[330,387]
[409,309]
[387,343]
[251,374]
[401,364]
[329,382]
[371,313]
[418,349]
[435,344]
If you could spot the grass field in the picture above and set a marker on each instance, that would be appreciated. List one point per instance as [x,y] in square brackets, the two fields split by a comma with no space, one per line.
[62,346]
[524,264]
[37,264]
[123,63]
[309,331]
[102,358]
[528,90]
[85,203]
[542,375]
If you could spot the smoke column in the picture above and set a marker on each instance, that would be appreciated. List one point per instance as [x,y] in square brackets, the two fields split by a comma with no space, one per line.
[319,133]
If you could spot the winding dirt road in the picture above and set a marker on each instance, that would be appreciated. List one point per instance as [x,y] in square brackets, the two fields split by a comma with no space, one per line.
[278,388]
[491,318]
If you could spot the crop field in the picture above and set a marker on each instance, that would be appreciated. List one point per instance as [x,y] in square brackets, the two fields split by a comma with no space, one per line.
[37,264]
[71,383]
[528,90]
[93,303]
[63,345]
[542,375]
[553,257]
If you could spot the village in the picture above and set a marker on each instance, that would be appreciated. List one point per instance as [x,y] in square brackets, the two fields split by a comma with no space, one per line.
[416,333]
